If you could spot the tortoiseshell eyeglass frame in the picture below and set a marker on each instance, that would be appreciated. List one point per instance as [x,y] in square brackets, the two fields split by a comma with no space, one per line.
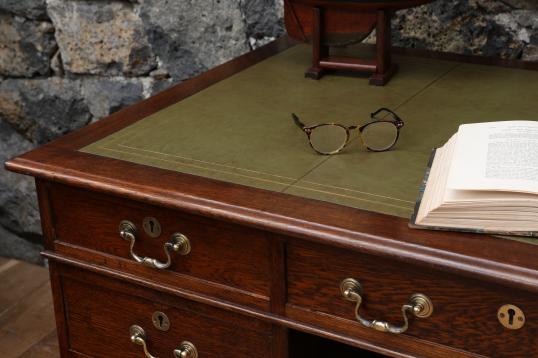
[396,121]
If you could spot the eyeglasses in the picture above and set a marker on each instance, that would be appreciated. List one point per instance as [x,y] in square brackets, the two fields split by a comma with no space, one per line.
[379,135]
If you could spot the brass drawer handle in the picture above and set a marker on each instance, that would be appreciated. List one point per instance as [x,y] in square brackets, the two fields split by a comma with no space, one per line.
[138,336]
[178,243]
[186,350]
[419,305]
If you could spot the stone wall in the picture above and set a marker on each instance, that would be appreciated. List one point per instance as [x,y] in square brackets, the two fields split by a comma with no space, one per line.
[66,63]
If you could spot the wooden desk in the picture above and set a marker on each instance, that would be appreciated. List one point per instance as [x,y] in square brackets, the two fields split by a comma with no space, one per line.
[273,229]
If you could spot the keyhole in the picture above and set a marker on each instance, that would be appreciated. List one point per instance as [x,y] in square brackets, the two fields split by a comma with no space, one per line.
[511,314]
[511,317]
[160,321]
[152,227]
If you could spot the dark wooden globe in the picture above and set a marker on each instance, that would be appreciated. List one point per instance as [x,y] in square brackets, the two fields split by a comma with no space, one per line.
[327,23]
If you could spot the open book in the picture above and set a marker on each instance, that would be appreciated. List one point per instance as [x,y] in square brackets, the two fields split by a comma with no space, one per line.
[484,179]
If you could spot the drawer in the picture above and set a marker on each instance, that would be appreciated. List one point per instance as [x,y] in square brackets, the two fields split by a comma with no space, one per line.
[227,261]
[464,313]
[101,314]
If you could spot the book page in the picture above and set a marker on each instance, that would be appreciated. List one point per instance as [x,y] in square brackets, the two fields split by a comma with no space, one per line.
[496,156]
[435,186]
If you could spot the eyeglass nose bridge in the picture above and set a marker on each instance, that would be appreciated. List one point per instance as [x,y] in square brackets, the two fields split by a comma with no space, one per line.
[363,142]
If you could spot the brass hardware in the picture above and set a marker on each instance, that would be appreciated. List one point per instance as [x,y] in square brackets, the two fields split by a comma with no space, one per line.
[160,321]
[511,317]
[138,336]
[178,243]
[419,305]
[151,226]
[186,350]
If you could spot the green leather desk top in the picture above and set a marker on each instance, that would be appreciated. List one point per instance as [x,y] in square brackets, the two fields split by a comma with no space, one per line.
[240,129]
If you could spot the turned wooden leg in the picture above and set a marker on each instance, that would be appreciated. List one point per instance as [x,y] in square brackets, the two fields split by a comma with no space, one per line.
[319,50]
[385,68]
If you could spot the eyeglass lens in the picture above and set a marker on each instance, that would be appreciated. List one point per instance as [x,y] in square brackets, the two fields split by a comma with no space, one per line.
[380,135]
[328,138]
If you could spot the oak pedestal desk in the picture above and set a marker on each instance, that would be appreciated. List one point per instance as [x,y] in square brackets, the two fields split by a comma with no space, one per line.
[200,223]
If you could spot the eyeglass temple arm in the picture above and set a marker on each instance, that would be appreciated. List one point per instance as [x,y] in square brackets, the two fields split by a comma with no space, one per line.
[298,121]
[372,115]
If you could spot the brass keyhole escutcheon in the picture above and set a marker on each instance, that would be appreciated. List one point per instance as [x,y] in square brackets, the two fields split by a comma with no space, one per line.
[160,321]
[151,226]
[511,317]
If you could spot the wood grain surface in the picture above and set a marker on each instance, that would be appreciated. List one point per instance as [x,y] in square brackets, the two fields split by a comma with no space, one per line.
[27,327]
[223,253]
[465,311]
[100,312]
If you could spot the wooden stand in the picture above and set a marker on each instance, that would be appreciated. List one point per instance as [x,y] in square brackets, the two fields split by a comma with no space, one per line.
[382,68]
